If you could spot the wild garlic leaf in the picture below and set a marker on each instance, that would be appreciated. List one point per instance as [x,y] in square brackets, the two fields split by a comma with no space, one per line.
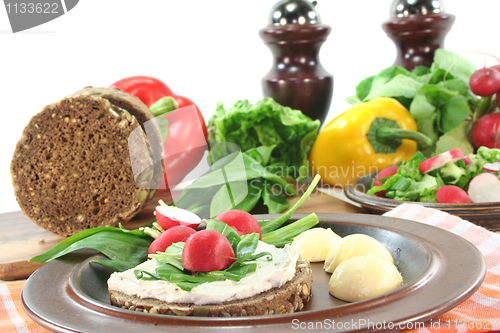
[247,245]
[124,248]
[274,201]
[226,230]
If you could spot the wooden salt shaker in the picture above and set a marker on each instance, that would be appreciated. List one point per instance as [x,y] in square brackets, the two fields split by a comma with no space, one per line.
[418,28]
[297,79]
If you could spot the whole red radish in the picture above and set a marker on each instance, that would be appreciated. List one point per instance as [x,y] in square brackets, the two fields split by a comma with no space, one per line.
[440,160]
[207,250]
[497,97]
[496,67]
[169,216]
[384,173]
[486,131]
[485,81]
[241,221]
[170,236]
[452,194]
[485,187]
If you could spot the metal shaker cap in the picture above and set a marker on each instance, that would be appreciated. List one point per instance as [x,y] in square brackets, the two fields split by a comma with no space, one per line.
[407,8]
[294,12]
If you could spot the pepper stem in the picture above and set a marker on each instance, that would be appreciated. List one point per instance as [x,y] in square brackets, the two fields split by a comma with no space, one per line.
[164,105]
[386,136]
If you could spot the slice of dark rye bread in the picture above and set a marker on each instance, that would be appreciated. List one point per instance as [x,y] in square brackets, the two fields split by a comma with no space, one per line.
[72,169]
[133,105]
[290,297]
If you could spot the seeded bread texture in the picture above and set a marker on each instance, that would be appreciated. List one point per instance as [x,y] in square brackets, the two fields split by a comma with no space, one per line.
[122,100]
[72,169]
[289,298]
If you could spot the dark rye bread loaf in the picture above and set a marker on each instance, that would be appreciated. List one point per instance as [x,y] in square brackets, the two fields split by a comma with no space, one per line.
[72,169]
[290,297]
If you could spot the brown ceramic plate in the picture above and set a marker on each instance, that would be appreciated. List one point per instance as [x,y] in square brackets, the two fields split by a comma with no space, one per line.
[440,270]
[483,214]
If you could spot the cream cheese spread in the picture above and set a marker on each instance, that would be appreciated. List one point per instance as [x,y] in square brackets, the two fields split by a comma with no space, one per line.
[268,275]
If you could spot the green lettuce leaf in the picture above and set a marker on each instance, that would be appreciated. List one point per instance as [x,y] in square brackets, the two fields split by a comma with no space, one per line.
[400,85]
[456,138]
[267,123]
[457,66]
[488,155]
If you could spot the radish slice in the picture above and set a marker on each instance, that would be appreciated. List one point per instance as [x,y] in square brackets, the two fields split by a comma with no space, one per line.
[485,187]
[467,160]
[168,217]
[440,160]
[492,167]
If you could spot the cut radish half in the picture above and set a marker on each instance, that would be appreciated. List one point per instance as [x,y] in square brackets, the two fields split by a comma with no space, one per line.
[491,167]
[168,217]
[485,187]
[440,160]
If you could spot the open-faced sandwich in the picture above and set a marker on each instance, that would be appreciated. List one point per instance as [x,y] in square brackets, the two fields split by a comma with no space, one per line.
[219,271]
[280,284]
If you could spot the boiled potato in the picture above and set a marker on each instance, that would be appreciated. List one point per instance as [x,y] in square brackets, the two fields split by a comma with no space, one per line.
[354,245]
[364,277]
[314,244]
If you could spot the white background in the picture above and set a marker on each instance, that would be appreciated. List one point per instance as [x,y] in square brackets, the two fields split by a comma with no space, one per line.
[208,51]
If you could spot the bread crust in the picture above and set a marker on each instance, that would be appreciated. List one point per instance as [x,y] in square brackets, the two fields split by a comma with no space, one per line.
[290,297]
[121,99]
[72,170]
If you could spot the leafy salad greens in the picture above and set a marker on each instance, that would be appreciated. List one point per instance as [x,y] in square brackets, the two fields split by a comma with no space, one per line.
[267,123]
[439,99]
[409,184]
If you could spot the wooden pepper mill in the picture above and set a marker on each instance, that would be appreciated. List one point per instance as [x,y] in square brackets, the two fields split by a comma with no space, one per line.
[418,28]
[297,79]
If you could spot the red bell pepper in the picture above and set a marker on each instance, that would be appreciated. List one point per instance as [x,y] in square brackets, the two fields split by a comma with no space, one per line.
[147,89]
[185,145]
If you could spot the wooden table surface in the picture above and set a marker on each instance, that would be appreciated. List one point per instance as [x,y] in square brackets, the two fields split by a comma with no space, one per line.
[22,239]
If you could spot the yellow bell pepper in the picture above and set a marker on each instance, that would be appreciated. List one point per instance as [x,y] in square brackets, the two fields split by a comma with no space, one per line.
[364,139]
